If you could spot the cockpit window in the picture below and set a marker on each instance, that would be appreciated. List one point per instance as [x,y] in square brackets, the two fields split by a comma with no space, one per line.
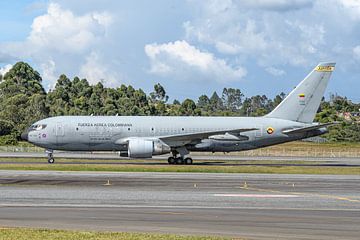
[37,127]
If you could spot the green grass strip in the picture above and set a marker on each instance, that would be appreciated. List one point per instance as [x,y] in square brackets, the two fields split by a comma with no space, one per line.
[43,234]
[186,168]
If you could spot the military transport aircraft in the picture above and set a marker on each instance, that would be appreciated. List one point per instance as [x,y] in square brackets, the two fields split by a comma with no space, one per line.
[146,136]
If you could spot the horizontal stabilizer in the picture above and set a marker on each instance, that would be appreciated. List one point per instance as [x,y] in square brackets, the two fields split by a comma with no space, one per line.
[307,129]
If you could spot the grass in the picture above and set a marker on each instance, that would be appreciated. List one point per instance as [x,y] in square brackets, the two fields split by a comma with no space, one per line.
[274,169]
[45,234]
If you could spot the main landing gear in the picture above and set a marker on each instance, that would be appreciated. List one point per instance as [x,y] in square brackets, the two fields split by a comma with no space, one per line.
[50,156]
[180,160]
[178,157]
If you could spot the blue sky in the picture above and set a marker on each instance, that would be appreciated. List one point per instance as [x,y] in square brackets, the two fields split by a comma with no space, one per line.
[190,47]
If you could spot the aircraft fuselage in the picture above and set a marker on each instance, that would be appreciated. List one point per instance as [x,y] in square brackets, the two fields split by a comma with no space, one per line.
[102,133]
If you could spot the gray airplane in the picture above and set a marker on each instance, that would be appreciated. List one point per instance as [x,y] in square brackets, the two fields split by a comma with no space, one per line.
[146,136]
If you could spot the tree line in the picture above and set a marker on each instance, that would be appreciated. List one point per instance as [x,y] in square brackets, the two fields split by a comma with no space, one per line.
[23,100]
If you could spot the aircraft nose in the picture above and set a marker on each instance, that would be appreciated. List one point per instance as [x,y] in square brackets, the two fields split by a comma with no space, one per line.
[25,135]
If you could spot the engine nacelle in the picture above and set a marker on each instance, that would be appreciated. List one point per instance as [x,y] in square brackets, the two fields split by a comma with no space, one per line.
[141,148]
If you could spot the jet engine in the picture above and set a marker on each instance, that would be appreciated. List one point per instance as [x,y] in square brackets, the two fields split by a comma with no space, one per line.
[141,148]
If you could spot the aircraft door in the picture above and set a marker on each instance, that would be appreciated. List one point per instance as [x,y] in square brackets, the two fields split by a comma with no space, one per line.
[60,131]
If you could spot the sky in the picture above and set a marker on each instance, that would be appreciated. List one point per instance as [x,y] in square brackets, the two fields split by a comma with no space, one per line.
[191,47]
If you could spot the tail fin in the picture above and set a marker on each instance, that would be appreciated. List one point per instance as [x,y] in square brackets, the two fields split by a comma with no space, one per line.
[303,102]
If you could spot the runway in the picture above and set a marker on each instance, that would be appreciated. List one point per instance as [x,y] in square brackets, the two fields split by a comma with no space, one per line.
[38,157]
[256,206]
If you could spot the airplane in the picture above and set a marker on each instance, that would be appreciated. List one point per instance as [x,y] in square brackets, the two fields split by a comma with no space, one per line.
[147,136]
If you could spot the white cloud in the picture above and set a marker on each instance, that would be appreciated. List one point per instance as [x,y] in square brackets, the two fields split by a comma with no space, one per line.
[184,61]
[220,38]
[248,30]
[48,73]
[240,38]
[356,52]
[275,71]
[5,69]
[352,7]
[59,39]
[61,30]
[95,71]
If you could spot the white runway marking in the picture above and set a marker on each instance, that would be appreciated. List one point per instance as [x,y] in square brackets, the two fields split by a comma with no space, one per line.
[257,195]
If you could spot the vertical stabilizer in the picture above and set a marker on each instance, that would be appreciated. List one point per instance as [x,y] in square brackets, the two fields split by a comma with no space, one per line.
[303,102]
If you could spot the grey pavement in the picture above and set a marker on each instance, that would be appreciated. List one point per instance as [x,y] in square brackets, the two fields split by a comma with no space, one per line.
[257,206]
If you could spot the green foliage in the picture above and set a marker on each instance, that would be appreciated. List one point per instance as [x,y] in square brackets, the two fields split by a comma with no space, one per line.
[188,107]
[159,94]
[339,110]
[22,97]
[232,98]
[22,78]
[8,140]
[5,127]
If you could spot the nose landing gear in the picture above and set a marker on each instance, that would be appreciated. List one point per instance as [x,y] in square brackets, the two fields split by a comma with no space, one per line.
[50,156]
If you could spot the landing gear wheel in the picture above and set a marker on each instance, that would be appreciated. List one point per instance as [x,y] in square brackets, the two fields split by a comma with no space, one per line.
[171,160]
[179,160]
[188,161]
[50,155]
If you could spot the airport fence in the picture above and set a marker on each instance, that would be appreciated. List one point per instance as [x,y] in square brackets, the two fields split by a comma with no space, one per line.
[286,152]
[21,149]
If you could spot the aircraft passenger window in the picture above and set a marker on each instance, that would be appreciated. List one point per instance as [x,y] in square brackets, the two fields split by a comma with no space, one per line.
[128,129]
[182,129]
[77,129]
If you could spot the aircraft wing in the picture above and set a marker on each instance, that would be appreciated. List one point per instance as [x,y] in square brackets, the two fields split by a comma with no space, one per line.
[306,129]
[182,139]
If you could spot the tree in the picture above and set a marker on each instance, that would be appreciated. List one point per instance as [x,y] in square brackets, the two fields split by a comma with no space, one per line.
[278,99]
[22,78]
[246,108]
[159,94]
[232,98]
[188,107]
[22,97]
[216,102]
[203,102]
[59,100]
[5,127]
[176,102]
